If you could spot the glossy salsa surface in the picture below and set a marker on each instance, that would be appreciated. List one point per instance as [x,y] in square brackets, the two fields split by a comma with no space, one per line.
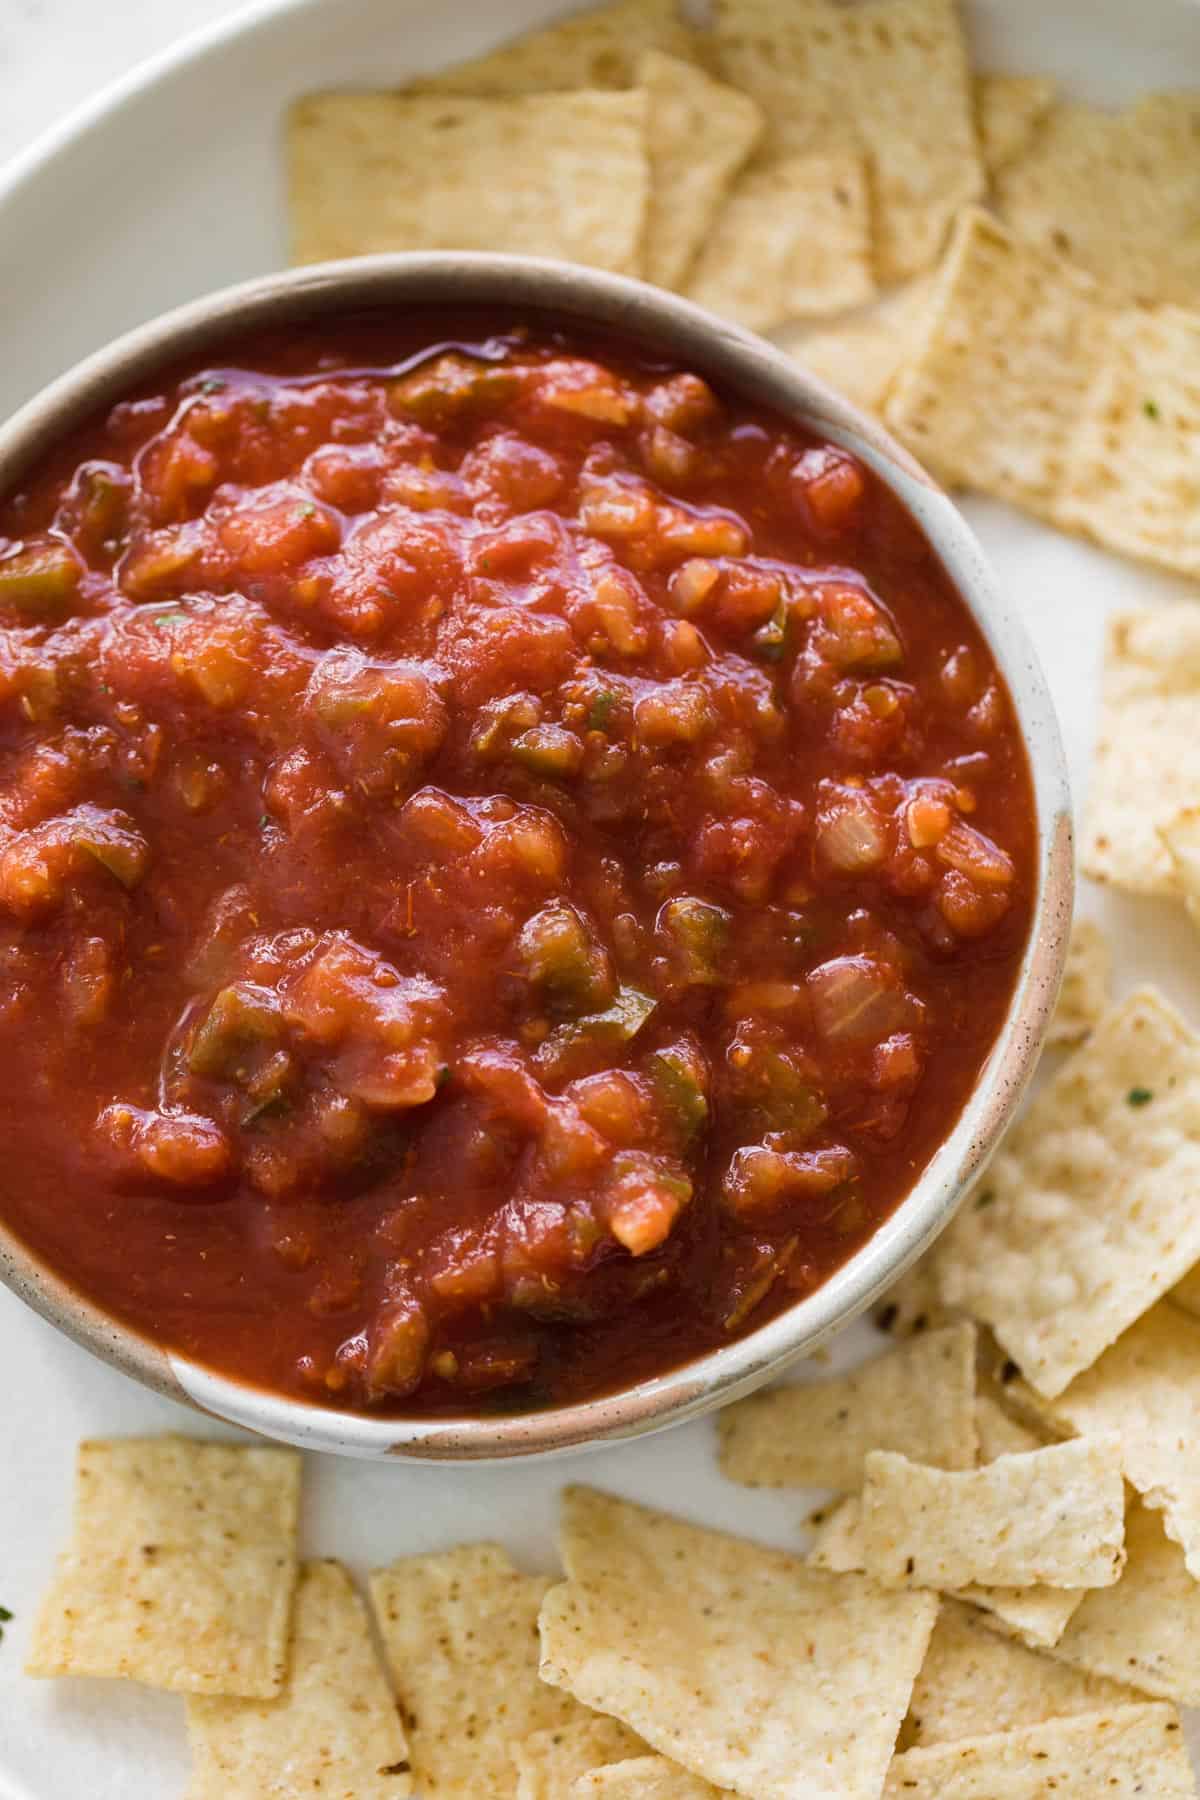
[510,864]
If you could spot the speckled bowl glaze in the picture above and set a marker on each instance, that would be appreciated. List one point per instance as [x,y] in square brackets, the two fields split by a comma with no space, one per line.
[749,368]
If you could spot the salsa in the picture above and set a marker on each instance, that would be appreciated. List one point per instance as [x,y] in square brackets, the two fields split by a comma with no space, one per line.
[510,862]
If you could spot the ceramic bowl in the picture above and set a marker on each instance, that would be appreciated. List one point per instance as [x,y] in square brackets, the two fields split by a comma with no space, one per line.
[755,371]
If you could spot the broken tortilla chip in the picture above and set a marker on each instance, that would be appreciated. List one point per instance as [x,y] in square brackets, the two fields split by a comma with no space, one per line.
[919,1397]
[594,49]
[548,1762]
[1147,764]
[181,1568]
[372,172]
[646,1778]
[1038,1616]
[1052,1517]
[1008,111]
[1087,1213]
[688,1634]
[698,134]
[1133,464]
[974,1681]
[1087,980]
[887,79]
[792,239]
[460,1633]
[1117,193]
[334,1728]
[1146,1629]
[1013,336]
[1126,1752]
[1145,1391]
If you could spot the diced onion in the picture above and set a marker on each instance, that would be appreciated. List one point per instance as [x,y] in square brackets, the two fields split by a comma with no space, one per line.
[853,838]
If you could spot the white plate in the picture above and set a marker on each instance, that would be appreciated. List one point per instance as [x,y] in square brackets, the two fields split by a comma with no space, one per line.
[170,185]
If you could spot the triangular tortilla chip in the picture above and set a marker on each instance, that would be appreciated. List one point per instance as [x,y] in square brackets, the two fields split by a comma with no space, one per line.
[1126,1752]
[1088,1213]
[334,1728]
[793,239]
[698,134]
[372,172]
[736,1661]
[460,1633]
[974,1681]
[1132,479]
[1118,193]
[919,1398]
[887,78]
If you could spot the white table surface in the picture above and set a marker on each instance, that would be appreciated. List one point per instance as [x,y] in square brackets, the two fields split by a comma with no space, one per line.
[56,53]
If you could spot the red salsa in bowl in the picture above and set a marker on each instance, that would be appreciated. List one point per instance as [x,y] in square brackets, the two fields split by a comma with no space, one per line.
[510,862]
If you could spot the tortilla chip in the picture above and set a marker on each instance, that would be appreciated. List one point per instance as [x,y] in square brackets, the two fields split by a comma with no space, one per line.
[1145,1390]
[334,1728]
[1087,1214]
[973,1681]
[1181,839]
[596,49]
[1186,1293]
[792,240]
[861,356]
[1008,111]
[1053,1517]
[1035,1615]
[698,134]
[1038,1616]
[1147,764]
[371,172]
[919,1397]
[739,1662]
[549,1761]
[646,1778]
[460,1633]
[181,1568]
[1013,336]
[913,1304]
[1118,193]
[1087,981]
[999,1433]
[886,78]
[1133,465]
[1123,1752]
[1146,1629]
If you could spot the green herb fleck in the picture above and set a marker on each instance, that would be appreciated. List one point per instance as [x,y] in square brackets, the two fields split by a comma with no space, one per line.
[984,1199]
[1150,408]
[443,1075]
[5,1615]
[601,710]
[1140,1096]
[264,821]
[214,385]
[308,510]
[163,620]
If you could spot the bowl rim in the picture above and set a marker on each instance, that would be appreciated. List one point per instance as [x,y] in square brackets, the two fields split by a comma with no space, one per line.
[761,373]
